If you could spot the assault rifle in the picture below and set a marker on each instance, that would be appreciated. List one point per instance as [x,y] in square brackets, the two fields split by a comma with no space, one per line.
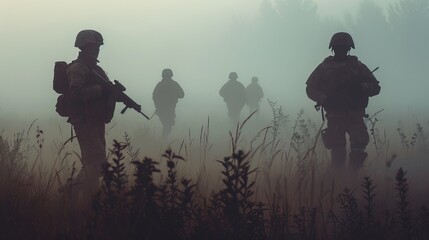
[119,90]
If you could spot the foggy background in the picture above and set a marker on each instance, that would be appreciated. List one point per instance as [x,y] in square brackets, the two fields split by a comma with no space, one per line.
[280,41]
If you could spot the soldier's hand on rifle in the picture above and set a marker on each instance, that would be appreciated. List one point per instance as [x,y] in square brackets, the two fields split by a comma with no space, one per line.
[117,93]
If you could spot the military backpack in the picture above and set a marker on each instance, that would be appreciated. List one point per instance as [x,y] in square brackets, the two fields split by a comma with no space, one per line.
[60,86]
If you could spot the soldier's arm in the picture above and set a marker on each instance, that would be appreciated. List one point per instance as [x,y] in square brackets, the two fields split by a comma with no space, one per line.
[78,89]
[180,93]
[313,86]
[370,84]
[222,91]
[155,96]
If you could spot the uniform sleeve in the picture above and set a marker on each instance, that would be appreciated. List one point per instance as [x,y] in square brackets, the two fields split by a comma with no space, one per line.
[261,93]
[180,93]
[155,95]
[370,84]
[313,86]
[78,86]
[222,90]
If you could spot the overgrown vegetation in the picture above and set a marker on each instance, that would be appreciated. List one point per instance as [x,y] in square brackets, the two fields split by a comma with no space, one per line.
[145,198]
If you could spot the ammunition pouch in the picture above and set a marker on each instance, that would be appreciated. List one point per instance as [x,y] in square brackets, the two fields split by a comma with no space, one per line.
[61,106]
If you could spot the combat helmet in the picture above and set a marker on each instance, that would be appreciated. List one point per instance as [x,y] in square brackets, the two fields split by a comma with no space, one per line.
[167,73]
[233,75]
[341,39]
[88,36]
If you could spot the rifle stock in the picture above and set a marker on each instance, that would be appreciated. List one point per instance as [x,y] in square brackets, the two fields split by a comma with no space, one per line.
[119,91]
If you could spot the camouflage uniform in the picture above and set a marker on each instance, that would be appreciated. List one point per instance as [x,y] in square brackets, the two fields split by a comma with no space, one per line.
[165,96]
[234,95]
[254,94]
[91,106]
[343,88]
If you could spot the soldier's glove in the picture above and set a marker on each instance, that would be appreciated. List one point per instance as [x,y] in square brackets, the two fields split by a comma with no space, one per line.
[117,93]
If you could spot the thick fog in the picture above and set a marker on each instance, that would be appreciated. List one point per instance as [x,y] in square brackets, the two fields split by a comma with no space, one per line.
[202,41]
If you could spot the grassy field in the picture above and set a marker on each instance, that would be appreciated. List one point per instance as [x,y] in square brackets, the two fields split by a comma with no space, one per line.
[245,181]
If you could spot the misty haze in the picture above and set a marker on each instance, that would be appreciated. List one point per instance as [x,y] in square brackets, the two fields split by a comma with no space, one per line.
[198,46]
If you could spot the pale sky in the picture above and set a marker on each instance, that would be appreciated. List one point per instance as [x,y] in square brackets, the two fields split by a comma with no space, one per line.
[141,38]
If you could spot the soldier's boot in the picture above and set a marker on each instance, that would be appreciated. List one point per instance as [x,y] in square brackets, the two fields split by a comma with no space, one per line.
[357,157]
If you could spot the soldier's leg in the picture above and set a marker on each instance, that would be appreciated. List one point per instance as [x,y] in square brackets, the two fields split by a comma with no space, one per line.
[337,136]
[166,129]
[359,139]
[167,120]
[232,113]
[257,108]
[92,143]
[229,108]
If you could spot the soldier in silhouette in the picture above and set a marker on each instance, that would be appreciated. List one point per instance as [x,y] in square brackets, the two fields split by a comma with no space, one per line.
[90,107]
[254,94]
[234,95]
[165,96]
[342,85]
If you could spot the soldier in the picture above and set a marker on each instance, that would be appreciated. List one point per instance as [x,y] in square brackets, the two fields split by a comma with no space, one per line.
[234,94]
[165,96]
[342,85]
[90,107]
[254,94]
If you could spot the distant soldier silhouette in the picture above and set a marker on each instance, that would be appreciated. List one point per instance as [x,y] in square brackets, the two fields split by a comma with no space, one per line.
[254,94]
[90,107]
[234,95]
[342,85]
[165,96]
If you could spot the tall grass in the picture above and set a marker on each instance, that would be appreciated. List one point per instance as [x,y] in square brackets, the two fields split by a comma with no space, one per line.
[142,197]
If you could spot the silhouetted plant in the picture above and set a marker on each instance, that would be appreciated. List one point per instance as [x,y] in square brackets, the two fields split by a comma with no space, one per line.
[376,140]
[170,213]
[132,153]
[152,207]
[403,211]
[280,119]
[372,225]
[404,140]
[144,206]
[423,223]
[305,224]
[11,156]
[114,175]
[368,189]
[350,224]
[241,213]
[110,205]
[278,221]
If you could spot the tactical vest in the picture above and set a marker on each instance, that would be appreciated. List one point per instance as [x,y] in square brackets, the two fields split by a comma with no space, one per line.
[341,82]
